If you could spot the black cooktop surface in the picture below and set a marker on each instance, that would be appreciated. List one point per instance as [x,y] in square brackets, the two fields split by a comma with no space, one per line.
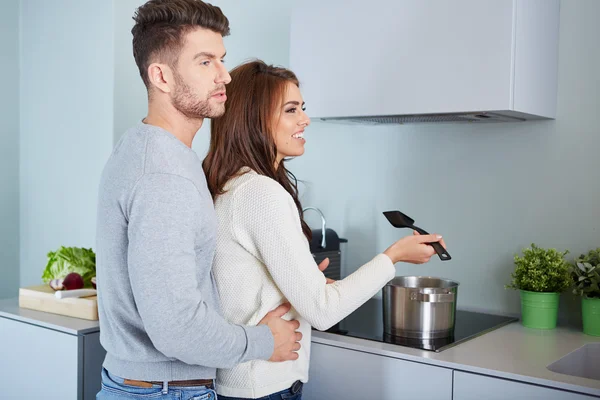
[367,323]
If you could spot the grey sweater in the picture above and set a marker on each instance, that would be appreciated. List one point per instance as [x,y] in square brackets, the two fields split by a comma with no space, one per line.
[156,233]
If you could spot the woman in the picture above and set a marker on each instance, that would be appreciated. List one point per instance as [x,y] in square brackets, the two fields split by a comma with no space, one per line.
[263,258]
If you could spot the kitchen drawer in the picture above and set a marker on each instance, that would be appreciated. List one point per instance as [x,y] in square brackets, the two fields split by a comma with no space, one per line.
[337,373]
[469,386]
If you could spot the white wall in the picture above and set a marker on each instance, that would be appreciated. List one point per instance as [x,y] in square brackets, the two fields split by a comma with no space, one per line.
[9,150]
[66,124]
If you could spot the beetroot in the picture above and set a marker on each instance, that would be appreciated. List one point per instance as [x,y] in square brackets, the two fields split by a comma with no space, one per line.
[73,281]
[94,282]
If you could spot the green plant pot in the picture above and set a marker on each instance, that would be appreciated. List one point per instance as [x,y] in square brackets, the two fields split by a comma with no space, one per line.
[539,310]
[590,312]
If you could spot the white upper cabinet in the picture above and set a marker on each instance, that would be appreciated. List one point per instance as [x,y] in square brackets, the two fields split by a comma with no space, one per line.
[416,60]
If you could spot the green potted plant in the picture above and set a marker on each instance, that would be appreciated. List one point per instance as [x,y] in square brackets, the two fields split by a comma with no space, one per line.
[541,275]
[586,277]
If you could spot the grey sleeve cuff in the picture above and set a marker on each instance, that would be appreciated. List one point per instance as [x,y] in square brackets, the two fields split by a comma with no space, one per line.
[260,343]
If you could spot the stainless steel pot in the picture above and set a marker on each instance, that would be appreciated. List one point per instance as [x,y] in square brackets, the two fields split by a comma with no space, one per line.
[419,307]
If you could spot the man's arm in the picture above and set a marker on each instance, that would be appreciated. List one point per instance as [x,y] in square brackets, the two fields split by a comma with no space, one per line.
[163,213]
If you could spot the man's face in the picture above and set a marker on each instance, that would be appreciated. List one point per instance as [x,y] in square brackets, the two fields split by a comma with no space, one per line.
[200,76]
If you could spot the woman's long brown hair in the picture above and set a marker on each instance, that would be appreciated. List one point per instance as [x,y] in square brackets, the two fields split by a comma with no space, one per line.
[243,136]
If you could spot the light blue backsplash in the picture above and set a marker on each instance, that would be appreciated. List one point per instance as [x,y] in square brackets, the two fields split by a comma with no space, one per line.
[9,153]
[66,124]
[489,189]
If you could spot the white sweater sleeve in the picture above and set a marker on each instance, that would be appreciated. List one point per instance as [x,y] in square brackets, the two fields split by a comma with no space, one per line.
[266,223]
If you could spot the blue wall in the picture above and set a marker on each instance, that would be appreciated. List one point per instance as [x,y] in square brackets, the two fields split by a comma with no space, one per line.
[490,189]
[259,28]
[66,124]
[9,149]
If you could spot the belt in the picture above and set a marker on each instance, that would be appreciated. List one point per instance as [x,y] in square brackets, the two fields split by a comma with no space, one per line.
[148,384]
[296,387]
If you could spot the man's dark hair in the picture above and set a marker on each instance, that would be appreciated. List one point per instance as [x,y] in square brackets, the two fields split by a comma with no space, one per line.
[160,26]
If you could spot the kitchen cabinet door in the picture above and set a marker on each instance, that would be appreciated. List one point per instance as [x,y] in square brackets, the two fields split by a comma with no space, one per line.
[37,363]
[469,386]
[337,373]
[41,363]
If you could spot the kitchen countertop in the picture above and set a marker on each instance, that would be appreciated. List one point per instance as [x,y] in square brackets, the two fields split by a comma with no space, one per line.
[10,309]
[512,352]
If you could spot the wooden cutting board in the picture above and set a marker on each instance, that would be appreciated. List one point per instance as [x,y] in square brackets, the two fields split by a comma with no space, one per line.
[42,298]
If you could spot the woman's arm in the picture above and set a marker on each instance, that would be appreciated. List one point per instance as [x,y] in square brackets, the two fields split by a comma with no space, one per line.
[266,223]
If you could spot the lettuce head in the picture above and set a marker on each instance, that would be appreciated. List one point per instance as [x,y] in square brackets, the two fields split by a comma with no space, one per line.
[70,259]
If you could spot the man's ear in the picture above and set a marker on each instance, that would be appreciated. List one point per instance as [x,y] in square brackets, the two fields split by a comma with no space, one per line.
[161,77]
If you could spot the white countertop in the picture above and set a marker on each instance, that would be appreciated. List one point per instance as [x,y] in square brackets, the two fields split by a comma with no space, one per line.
[10,309]
[511,352]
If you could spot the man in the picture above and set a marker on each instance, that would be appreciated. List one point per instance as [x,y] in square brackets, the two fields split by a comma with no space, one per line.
[160,321]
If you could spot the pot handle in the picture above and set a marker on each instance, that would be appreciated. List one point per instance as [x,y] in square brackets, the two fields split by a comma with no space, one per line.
[432,297]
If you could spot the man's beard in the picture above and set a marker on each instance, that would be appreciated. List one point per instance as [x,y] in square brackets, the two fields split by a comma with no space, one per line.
[189,105]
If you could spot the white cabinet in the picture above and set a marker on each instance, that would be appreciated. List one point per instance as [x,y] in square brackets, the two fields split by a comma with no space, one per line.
[337,373]
[469,386]
[41,363]
[414,57]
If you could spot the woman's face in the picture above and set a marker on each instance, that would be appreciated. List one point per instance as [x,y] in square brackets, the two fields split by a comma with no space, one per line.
[289,123]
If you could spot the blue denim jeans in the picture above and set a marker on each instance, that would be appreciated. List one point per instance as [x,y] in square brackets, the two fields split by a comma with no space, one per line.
[113,388]
[293,393]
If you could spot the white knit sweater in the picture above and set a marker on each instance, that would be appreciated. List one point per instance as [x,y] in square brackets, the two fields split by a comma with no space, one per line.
[262,259]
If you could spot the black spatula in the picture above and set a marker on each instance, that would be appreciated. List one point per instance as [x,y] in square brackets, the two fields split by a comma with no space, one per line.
[399,220]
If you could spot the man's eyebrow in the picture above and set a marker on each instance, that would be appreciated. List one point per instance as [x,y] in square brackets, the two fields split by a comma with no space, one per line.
[208,55]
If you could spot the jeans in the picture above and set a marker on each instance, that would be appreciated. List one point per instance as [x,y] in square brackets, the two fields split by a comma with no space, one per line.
[113,388]
[293,393]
